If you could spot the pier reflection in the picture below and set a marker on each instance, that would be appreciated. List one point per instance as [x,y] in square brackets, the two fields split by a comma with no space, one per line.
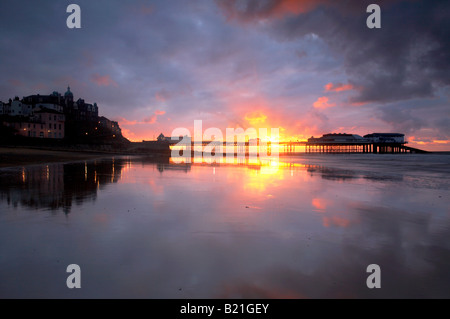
[297,227]
[60,186]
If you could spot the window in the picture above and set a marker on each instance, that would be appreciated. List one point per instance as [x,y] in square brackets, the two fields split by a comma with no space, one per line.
[42,126]
[41,134]
[29,125]
[54,118]
[54,127]
[50,125]
[49,117]
[59,126]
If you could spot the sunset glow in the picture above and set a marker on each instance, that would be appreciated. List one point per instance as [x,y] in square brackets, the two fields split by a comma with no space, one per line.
[241,64]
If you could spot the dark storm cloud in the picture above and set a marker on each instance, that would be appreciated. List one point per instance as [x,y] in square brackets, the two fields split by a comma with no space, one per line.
[124,54]
[408,57]
[413,115]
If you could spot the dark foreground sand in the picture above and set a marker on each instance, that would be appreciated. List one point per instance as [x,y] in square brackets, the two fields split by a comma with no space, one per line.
[10,157]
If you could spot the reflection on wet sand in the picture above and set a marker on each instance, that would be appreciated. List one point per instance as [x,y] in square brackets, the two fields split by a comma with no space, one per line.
[291,228]
[55,186]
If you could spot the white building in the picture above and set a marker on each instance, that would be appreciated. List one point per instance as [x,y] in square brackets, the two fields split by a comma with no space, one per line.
[338,138]
[385,137]
[18,108]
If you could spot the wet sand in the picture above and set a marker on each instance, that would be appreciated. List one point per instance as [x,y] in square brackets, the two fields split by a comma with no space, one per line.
[304,227]
[10,157]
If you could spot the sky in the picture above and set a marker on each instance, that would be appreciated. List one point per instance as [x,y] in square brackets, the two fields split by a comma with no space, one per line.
[308,67]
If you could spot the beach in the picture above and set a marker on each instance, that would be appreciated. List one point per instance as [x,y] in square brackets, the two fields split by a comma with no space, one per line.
[20,156]
[300,227]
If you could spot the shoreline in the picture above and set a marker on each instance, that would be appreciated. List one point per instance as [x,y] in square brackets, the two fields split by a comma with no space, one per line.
[22,156]
[14,156]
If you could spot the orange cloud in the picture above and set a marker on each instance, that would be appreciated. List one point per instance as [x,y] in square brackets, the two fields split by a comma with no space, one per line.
[150,120]
[276,9]
[285,7]
[104,80]
[256,119]
[129,134]
[322,103]
[441,141]
[124,121]
[258,111]
[338,87]
[429,144]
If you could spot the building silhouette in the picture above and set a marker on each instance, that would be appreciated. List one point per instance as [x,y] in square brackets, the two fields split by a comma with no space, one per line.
[58,116]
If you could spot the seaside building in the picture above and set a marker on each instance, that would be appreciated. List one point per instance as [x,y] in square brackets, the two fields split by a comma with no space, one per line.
[54,98]
[370,143]
[45,123]
[338,138]
[162,138]
[79,110]
[17,108]
[79,118]
[385,138]
[113,126]
[168,139]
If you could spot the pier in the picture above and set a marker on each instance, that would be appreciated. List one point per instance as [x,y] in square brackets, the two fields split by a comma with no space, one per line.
[375,143]
[289,147]
[381,148]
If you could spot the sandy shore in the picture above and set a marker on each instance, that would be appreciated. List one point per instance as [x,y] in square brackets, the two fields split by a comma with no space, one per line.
[10,157]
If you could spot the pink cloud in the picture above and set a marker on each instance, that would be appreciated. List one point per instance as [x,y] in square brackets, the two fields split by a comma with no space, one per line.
[338,87]
[124,121]
[322,103]
[151,119]
[104,80]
